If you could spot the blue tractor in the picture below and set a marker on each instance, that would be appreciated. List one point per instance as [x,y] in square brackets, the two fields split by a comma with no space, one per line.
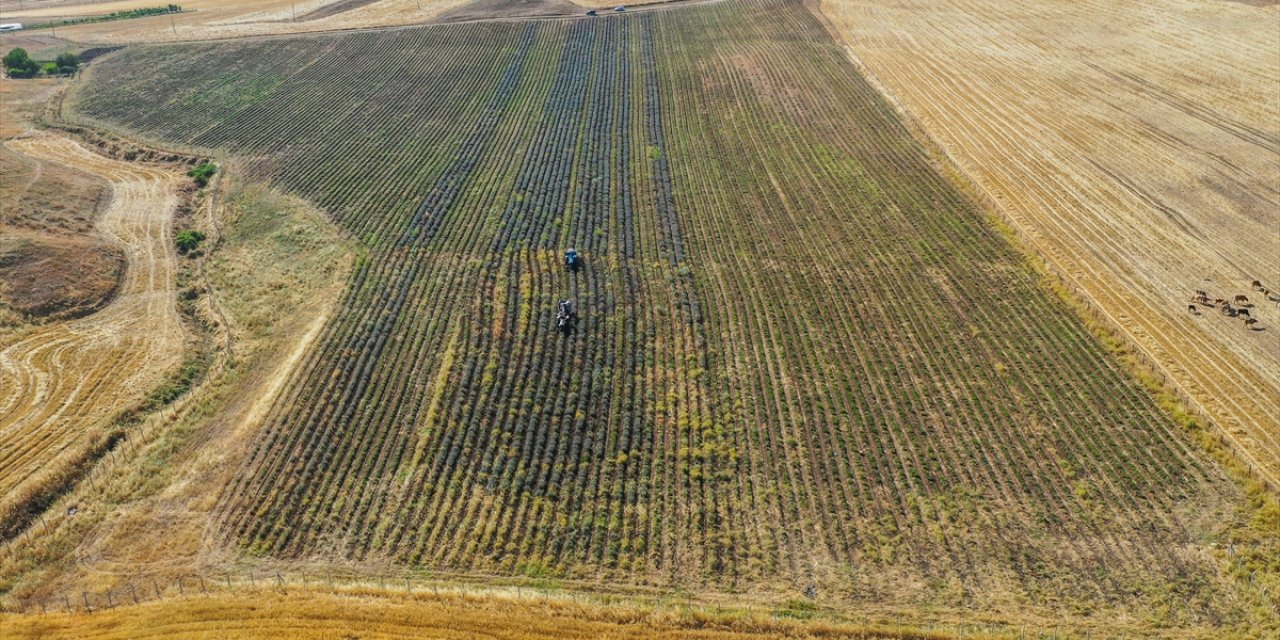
[572,260]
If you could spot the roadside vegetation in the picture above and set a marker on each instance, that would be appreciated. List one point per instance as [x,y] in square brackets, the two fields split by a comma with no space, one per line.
[126,14]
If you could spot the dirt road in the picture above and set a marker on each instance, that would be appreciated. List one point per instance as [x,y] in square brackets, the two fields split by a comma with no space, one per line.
[1135,145]
[61,384]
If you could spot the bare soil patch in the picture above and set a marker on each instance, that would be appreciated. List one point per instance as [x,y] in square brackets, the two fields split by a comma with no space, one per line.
[342,6]
[50,277]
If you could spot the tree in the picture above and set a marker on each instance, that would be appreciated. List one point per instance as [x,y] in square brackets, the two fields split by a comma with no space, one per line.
[49,68]
[67,62]
[19,64]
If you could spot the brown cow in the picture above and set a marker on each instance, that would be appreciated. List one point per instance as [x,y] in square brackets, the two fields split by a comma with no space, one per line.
[1249,322]
[1257,286]
[1192,308]
[1241,299]
[1243,312]
[1228,310]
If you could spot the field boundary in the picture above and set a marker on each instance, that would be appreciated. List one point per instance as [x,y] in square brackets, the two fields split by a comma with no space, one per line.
[692,609]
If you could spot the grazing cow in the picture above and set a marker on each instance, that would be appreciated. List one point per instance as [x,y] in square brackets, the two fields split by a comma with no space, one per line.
[1257,286]
[1201,294]
[1243,312]
[1241,299]
[1249,322]
[1192,308]
[1218,302]
[1228,310]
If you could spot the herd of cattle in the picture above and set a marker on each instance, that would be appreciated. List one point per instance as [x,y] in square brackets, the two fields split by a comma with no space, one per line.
[1237,307]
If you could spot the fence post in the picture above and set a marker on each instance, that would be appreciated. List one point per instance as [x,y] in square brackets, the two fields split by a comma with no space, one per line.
[110,604]
[87,607]
[253,583]
[202,589]
[67,599]
[228,582]
[157,588]
[279,579]
[181,591]
[134,593]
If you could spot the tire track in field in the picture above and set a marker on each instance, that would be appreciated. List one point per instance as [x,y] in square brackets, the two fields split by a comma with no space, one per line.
[61,384]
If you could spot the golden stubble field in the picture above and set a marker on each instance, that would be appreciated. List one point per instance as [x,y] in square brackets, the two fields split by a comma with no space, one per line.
[63,383]
[294,613]
[1135,145]
[213,19]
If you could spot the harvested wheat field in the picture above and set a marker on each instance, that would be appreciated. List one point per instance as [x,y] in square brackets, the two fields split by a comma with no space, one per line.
[299,614]
[65,383]
[1136,146]
[211,19]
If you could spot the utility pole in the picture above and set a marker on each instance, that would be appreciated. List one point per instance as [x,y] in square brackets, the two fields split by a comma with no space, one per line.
[173,24]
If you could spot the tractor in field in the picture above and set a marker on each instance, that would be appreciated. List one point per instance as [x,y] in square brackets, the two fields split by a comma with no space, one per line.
[572,261]
[592,12]
[565,316]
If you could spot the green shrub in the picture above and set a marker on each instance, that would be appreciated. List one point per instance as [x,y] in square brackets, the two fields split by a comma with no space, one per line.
[202,172]
[67,62]
[189,240]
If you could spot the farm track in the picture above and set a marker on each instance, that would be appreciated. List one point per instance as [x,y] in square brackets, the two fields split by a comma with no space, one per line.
[802,357]
[64,382]
[1143,170]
